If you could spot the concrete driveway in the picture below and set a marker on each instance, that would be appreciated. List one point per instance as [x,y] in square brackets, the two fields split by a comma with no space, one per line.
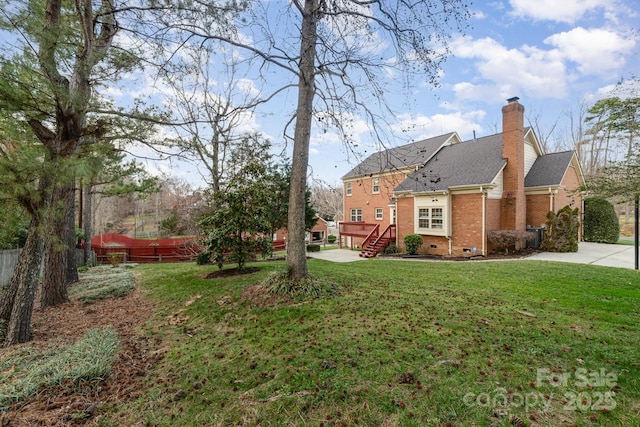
[621,256]
[337,255]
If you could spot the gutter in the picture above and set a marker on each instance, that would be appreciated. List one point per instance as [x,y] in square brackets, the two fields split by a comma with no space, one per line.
[484,220]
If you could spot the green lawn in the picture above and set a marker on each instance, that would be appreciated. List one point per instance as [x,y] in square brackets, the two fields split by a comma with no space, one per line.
[404,343]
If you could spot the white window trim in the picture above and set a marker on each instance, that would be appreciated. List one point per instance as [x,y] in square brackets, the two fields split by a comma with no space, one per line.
[429,230]
[348,189]
[381,216]
[373,185]
[351,212]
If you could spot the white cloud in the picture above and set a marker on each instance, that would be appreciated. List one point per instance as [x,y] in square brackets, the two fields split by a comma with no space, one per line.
[508,72]
[568,11]
[596,51]
[478,14]
[419,126]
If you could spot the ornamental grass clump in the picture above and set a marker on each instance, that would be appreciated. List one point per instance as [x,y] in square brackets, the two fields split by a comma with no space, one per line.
[26,369]
[307,288]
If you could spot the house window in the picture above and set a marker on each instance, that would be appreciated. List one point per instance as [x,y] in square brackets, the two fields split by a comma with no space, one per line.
[423,217]
[375,185]
[379,213]
[431,218]
[356,215]
[348,190]
[436,218]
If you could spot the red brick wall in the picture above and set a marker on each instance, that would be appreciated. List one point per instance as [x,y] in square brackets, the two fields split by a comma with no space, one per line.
[538,204]
[362,197]
[405,219]
[537,209]
[441,245]
[566,196]
[493,207]
[514,209]
[466,217]
[466,221]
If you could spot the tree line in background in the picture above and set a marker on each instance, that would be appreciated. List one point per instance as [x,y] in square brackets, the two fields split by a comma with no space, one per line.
[606,138]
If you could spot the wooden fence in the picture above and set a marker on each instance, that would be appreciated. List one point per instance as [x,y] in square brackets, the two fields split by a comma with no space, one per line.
[9,260]
[115,247]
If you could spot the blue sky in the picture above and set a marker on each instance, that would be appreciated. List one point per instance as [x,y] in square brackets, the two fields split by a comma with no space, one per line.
[552,54]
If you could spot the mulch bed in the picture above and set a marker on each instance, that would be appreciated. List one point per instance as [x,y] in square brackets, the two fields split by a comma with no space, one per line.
[60,406]
[512,255]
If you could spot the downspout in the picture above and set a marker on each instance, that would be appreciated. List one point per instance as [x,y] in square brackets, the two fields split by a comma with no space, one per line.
[581,217]
[484,219]
[395,220]
[449,216]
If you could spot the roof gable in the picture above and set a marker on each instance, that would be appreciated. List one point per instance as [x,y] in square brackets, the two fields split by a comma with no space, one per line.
[549,169]
[530,136]
[474,162]
[409,155]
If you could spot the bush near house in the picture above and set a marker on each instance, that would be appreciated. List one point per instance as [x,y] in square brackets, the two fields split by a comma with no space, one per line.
[392,248]
[313,248]
[504,240]
[562,231]
[601,224]
[331,239]
[412,243]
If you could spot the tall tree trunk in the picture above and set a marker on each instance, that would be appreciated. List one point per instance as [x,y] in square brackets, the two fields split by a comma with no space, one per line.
[71,273]
[16,305]
[88,232]
[296,254]
[58,259]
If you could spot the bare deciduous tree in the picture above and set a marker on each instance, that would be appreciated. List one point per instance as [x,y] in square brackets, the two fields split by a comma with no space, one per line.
[327,200]
[343,57]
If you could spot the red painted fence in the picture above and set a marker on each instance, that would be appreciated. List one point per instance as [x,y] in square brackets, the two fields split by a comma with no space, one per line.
[126,249]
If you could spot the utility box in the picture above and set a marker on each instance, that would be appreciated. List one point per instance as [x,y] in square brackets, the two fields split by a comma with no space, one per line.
[536,241]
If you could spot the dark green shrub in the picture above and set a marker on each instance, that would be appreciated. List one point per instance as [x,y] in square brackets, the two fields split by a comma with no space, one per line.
[392,248]
[601,224]
[313,248]
[203,258]
[412,243]
[562,231]
[332,239]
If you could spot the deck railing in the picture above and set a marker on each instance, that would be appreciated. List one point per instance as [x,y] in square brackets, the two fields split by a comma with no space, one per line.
[372,236]
[358,229]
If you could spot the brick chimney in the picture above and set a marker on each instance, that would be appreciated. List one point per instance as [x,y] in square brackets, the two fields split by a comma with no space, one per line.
[514,207]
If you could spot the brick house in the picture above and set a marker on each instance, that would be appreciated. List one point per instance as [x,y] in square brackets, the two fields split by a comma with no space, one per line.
[453,192]
[318,234]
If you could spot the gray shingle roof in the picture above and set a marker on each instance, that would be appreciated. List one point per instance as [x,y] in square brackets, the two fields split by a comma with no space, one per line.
[474,162]
[548,169]
[416,153]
